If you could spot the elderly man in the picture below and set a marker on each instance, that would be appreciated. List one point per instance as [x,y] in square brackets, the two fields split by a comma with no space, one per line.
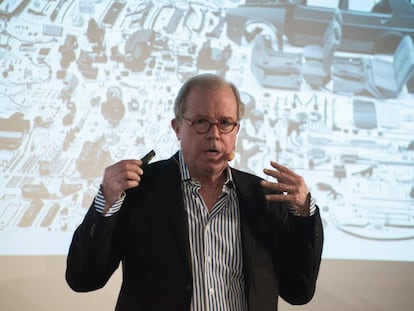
[193,233]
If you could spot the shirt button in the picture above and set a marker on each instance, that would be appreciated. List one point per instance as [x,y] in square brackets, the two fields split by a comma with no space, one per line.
[209,259]
[211,290]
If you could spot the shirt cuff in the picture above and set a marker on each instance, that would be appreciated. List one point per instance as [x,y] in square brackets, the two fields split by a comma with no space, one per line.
[99,203]
[312,207]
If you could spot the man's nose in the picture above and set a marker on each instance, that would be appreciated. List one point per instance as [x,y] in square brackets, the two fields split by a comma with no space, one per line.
[214,131]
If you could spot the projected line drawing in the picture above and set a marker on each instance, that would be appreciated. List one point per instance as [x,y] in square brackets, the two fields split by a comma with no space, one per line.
[86,83]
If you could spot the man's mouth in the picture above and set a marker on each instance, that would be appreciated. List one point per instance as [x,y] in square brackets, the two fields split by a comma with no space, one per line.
[212,152]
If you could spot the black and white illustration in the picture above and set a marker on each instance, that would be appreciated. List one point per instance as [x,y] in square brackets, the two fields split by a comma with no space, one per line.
[328,88]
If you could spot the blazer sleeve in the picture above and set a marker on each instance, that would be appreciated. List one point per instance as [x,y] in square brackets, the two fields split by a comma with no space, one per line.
[281,252]
[300,257]
[100,243]
[94,253]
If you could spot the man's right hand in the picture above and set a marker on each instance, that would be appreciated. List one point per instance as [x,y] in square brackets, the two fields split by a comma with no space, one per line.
[119,177]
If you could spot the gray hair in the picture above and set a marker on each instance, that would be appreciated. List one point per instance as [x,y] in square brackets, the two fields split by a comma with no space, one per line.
[205,82]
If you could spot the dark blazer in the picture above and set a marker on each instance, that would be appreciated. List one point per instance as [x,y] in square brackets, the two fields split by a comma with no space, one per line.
[149,235]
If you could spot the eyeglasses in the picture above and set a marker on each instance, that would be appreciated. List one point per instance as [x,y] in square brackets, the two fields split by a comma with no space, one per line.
[201,126]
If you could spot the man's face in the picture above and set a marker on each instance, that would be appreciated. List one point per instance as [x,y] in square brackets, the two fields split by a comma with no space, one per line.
[206,155]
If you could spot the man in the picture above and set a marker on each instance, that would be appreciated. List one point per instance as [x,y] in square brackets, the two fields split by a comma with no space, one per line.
[193,233]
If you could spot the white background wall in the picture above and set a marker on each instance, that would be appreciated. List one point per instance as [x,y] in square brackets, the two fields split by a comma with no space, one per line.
[38,284]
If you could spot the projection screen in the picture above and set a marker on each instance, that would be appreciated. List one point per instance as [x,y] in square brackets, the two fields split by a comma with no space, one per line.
[328,88]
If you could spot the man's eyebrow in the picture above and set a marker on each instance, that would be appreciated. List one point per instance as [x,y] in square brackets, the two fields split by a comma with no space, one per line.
[200,116]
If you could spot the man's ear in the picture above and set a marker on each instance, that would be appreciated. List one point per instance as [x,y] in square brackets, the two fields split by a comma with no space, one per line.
[238,127]
[175,124]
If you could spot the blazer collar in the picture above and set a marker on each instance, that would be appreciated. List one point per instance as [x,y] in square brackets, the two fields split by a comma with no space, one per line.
[174,205]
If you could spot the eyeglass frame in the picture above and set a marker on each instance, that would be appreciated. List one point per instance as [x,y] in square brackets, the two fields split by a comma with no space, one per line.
[234,124]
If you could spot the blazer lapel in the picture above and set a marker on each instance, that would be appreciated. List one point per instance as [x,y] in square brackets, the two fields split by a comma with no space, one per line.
[174,206]
[247,197]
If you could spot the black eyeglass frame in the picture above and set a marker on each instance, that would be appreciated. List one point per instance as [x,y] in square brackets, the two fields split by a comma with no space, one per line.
[221,130]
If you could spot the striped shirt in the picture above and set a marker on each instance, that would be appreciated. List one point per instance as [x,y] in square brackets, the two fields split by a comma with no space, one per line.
[215,244]
[99,203]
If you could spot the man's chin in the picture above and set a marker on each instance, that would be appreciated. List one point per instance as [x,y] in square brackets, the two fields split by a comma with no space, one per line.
[214,167]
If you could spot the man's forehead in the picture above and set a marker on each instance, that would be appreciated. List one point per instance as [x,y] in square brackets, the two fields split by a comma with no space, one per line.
[224,92]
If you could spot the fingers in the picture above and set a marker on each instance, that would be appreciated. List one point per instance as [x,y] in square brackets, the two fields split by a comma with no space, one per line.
[281,197]
[119,177]
[282,173]
[278,187]
[289,186]
[124,171]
